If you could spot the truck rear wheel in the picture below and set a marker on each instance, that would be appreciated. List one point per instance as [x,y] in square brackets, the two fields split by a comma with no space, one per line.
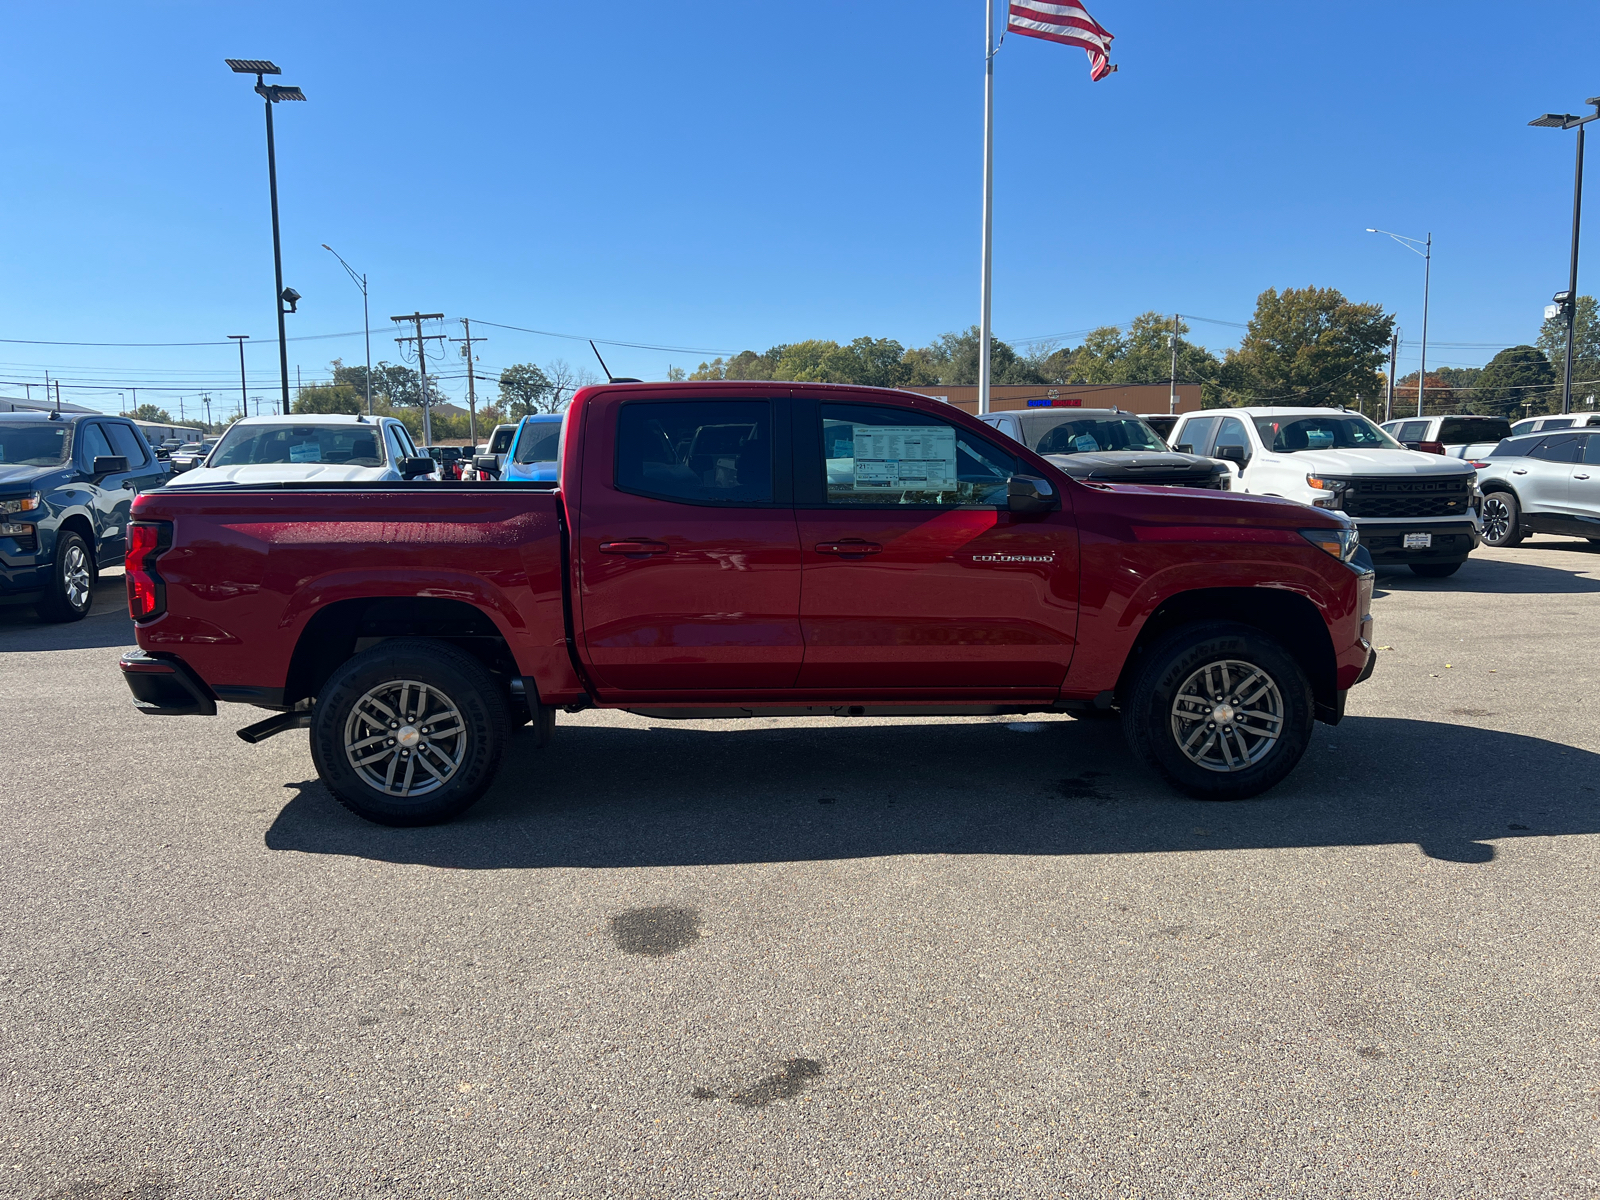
[409,733]
[1221,710]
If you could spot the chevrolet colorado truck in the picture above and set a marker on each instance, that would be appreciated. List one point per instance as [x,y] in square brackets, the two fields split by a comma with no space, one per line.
[746,549]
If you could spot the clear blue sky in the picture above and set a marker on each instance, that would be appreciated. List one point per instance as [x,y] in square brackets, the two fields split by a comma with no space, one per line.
[719,176]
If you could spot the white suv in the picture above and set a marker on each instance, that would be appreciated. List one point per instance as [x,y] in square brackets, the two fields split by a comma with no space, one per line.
[1410,507]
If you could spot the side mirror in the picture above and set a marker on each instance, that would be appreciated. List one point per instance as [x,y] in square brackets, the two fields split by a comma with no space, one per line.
[1233,454]
[410,468]
[108,464]
[1030,494]
[486,463]
[1184,447]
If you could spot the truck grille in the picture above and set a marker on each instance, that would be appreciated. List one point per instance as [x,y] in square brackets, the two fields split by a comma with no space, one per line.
[1407,497]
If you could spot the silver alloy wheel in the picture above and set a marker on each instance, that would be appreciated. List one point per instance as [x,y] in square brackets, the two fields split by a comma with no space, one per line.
[1227,716]
[75,576]
[405,738]
[1496,518]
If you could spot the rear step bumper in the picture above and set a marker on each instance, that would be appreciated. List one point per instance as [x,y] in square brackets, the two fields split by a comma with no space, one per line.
[164,685]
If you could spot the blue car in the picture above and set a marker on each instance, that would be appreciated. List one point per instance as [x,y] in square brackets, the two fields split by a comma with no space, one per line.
[535,452]
[67,483]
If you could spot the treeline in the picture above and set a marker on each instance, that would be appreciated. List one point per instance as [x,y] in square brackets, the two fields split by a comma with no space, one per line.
[1303,346]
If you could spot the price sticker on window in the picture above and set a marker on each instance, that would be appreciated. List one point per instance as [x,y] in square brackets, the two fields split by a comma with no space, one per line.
[904,458]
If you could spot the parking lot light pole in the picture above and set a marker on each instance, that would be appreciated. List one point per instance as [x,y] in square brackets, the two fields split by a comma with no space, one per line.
[272,94]
[1411,244]
[366,323]
[1570,302]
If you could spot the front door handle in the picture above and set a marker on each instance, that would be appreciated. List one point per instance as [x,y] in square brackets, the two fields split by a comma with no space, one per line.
[634,546]
[850,546]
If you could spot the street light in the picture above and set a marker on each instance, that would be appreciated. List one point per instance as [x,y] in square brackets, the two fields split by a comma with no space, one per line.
[1411,244]
[366,324]
[244,400]
[1568,300]
[273,94]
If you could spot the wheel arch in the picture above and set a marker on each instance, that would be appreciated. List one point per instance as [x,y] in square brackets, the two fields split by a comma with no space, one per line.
[338,631]
[1289,617]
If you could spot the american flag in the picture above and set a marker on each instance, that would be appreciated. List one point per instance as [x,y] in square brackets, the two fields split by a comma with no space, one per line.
[1068,23]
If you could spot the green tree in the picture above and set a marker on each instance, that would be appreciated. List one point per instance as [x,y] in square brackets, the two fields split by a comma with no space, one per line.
[1307,346]
[525,389]
[1585,349]
[149,412]
[335,398]
[399,385]
[1142,355]
[957,357]
[1515,377]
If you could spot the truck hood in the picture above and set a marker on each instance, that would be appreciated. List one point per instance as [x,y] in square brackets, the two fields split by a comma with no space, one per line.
[1372,462]
[1127,466]
[13,475]
[278,473]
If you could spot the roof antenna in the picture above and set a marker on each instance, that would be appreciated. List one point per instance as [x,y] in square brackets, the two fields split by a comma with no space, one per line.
[609,377]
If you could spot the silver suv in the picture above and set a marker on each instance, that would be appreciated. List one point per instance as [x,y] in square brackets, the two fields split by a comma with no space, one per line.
[1542,483]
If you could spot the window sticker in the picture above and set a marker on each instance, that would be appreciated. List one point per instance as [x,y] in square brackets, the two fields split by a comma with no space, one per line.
[897,458]
[302,452]
[1085,443]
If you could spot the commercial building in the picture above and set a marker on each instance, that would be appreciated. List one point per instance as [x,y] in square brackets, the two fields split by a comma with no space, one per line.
[1132,397]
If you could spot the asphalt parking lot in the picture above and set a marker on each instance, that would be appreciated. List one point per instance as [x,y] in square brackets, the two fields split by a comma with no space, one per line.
[829,958]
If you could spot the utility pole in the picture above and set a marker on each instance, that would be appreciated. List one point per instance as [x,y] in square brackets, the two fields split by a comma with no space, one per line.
[1172,399]
[1388,400]
[417,318]
[244,400]
[206,400]
[472,393]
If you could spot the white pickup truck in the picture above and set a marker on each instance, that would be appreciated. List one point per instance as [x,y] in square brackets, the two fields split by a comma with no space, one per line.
[1409,507]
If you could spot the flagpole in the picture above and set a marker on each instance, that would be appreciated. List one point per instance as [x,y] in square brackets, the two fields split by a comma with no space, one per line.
[984,331]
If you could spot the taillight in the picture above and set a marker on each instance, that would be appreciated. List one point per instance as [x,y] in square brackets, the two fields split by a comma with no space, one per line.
[1431,447]
[147,591]
[1479,465]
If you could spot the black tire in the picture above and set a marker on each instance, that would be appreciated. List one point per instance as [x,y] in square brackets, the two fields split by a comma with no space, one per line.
[464,763]
[1436,570]
[1502,520]
[69,590]
[1172,665]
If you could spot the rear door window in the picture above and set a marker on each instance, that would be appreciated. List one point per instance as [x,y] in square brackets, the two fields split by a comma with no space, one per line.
[1559,448]
[699,451]
[1195,436]
[1412,431]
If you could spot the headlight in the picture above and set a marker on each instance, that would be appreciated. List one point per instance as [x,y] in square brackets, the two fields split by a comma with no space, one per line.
[1336,488]
[22,504]
[1341,543]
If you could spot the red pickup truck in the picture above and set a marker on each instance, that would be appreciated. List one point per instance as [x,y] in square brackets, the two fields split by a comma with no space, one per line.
[744,549]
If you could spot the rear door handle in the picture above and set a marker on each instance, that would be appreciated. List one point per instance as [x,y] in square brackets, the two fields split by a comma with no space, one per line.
[1519,470]
[1580,476]
[848,547]
[634,546]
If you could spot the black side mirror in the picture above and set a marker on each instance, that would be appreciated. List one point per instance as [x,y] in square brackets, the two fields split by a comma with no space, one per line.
[488,464]
[108,464]
[1030,494]
[1233,454]
[1184,447]
[410,468]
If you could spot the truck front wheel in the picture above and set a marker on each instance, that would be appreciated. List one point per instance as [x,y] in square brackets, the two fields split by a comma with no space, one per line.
[409,732]
[1221,710]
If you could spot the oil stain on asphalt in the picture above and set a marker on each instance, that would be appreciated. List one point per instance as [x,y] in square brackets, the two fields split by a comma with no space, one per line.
[793,1076]
[657,931]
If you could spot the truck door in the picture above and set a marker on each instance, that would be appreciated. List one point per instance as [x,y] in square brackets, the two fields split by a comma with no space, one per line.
[917,577]
[689,563]
[112,498]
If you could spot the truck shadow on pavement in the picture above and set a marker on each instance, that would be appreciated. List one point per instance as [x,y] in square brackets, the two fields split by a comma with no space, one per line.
[608,796]
[107,625]
[1494,576]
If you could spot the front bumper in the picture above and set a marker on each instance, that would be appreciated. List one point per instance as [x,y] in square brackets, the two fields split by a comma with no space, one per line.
[1450,541]
[163,685]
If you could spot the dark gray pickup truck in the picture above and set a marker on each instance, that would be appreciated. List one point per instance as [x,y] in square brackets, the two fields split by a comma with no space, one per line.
[1107,445]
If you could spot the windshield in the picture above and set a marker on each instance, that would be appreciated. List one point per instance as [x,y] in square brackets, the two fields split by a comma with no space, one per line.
[539,442]
[1089,435]
[1336,431]
[32,445]
[345,445]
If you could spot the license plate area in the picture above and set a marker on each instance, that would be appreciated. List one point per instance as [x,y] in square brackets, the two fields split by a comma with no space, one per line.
[1417,541]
